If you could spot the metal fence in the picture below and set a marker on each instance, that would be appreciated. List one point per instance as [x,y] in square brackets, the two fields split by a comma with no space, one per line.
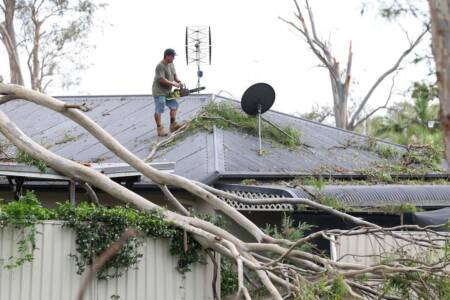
[369,249]
[52,273]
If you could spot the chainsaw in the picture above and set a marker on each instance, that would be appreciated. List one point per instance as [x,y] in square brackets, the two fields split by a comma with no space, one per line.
[182,92]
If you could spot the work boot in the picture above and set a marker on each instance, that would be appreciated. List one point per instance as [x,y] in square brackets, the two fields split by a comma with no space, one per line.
[175,126]
[161,131]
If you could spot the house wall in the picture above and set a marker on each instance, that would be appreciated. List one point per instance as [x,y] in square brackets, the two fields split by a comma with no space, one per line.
[52,273]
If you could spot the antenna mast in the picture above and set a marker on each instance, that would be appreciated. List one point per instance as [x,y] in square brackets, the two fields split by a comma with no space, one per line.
[198,48]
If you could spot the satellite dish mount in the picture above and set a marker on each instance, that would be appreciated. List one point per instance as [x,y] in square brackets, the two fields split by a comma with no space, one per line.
[256,100]
[198,48]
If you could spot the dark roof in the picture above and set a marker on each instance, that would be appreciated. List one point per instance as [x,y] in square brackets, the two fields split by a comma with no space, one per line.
[427,196]
[200,156]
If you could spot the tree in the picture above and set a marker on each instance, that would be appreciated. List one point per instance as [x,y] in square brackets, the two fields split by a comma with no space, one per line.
[318,113]
[413,122]
[53,36]
[440,20]
[341,78]
[8,38]
[283,268]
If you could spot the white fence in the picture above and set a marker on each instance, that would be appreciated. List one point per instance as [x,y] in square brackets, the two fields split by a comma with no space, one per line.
[52,274]
[369,249]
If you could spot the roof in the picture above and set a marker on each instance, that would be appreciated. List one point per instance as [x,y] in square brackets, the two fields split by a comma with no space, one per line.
[426,196]
[201,156]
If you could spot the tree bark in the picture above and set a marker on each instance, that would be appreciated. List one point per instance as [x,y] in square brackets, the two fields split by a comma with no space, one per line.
[440,23]
[35,64]
[8,38]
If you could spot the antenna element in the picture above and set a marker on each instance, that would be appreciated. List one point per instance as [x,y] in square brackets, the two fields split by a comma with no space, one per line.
[198,47]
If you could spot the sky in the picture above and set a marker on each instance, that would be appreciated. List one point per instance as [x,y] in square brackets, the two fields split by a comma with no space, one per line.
[250,45]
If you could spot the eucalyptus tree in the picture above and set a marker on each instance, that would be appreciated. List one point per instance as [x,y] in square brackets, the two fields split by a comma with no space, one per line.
[9,39]
[51,38]
[341,74]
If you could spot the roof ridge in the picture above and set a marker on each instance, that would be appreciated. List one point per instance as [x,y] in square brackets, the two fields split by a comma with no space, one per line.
[117,95]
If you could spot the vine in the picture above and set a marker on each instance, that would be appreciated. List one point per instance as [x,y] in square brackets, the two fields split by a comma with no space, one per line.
[96,229]
[22,215]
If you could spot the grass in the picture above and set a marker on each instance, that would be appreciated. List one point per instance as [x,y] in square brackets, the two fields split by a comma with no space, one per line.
[227,116]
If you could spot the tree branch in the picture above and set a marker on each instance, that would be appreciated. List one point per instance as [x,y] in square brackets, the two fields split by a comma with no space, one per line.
[102,259]
[174,201]
[311,42]
[380,107]
[166,141]
[383,76]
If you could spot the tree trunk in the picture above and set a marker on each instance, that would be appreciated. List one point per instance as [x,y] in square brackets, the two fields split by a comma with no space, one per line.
[8,38]
[35,66]
[440,22]
[339,97]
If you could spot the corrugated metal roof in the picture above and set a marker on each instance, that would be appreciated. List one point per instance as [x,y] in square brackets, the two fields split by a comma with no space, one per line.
[130,120]
[381,195]
[350,195]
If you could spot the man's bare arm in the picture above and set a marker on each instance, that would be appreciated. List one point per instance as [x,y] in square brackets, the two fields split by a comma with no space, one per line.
[177,79]
[164,81]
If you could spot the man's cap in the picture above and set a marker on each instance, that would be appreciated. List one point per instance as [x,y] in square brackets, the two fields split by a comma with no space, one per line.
[169,52]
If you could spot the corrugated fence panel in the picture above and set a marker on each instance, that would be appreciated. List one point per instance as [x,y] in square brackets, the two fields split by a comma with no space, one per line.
[370,249]
[52,274]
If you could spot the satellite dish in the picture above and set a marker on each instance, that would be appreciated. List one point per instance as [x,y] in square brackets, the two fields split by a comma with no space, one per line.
[258,99]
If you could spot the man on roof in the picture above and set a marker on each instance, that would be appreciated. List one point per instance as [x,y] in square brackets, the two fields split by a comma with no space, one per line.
[165,78]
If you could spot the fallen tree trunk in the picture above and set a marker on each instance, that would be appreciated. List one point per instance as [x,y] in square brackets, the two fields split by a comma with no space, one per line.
[281,266]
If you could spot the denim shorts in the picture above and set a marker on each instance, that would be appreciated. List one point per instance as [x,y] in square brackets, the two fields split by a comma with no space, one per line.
[160,102]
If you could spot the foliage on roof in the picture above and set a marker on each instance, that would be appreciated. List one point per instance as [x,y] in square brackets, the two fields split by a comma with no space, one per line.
[23,157]
[227,116]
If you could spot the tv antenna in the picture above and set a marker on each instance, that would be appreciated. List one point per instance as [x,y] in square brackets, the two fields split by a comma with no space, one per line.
[198,47]
[256,100]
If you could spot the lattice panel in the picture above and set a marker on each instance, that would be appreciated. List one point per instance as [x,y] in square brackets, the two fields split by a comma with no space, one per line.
[258,207]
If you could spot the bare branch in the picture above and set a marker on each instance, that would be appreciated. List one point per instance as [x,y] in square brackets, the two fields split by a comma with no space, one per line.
[172,200]
[102,259]
[304,201]
[383,76]
[348,71]
[311,20]
[91,193]
[212,256]
[312,43]
[166,141]
[380,107]
[81,107]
